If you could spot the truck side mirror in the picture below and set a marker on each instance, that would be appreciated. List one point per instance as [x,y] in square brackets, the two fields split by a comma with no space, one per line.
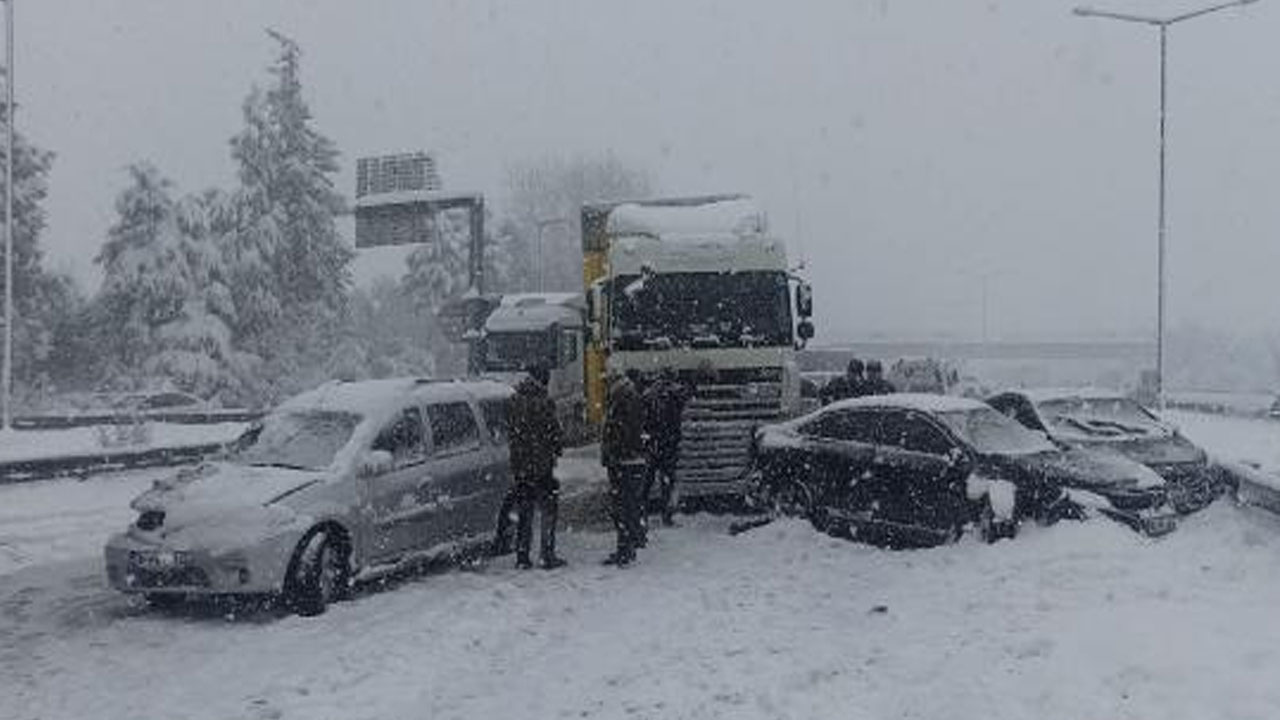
[804,300]
[804,330]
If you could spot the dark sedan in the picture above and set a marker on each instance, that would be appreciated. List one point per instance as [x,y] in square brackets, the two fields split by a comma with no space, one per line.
[1108,422]
[910,470]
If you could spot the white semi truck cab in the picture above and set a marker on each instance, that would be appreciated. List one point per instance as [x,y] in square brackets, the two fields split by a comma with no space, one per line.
[698,286]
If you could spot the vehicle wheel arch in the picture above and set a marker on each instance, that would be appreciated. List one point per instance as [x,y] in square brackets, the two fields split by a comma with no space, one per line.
[337,533]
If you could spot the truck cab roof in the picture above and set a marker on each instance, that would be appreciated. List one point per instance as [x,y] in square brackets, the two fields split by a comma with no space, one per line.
[525,312]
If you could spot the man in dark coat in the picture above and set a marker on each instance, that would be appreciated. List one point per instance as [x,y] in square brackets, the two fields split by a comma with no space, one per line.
[851,384]
[876,382]
[623,452]
[664,410]
[535,442]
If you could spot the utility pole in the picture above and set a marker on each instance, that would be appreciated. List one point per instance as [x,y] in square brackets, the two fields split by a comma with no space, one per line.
[1161,227]
[543,225]
[10,112]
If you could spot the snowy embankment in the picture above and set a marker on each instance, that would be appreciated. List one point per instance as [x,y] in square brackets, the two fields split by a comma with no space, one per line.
[1232,438]
[1074,621]
[73,442]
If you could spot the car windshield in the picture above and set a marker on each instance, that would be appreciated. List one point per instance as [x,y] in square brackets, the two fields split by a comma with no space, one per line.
[1100,417]
[732,309]
[516,350]
[300,440]
[988,431]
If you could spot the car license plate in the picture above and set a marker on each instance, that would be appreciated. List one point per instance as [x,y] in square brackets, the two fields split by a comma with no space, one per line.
[1162,525]
[157,560]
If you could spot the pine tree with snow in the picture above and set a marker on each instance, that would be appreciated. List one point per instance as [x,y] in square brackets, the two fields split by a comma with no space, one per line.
[166,311]
[286,259]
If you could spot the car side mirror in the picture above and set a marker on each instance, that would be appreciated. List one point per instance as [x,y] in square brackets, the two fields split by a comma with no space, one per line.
[375,462]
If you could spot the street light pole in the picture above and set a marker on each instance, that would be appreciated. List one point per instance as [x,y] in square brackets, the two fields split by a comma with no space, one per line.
[8,220]
[543,225]
[1162,227]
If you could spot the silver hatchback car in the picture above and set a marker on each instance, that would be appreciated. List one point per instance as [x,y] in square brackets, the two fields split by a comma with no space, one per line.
[339,484]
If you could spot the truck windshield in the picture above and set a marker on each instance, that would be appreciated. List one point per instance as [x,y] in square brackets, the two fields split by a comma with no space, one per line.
[742,309]
[517,350]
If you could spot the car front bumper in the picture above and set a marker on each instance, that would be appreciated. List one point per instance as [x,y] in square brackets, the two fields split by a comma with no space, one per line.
[1153,523]
[137,566]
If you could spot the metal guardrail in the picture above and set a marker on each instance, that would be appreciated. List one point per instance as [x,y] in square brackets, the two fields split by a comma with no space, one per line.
[82,465]
[73,420]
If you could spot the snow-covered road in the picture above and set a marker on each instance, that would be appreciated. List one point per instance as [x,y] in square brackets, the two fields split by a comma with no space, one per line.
[1074,621]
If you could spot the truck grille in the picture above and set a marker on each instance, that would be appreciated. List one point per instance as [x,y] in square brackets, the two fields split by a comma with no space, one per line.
[716,431]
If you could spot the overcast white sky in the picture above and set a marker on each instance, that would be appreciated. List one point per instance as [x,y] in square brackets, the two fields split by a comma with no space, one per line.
[906,147]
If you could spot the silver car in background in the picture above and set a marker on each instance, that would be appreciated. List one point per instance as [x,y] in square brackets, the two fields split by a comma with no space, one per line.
[339,484]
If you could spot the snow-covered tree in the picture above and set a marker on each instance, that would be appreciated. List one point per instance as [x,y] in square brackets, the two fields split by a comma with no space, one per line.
[286,259]
[165,309]
[549,193]
[438,269]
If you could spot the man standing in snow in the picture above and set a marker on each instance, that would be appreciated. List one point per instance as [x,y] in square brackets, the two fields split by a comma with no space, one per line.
[851,384]
[664,409]
[535,443]
[876,383]
[622,450]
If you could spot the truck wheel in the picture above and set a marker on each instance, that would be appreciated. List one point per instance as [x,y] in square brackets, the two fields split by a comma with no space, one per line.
[319,574]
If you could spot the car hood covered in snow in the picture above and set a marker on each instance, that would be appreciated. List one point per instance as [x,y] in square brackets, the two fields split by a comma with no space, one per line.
[1077,468]
[1164,450]
[215,490]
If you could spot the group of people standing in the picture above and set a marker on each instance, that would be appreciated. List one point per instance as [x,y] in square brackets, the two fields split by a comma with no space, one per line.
[640,449]
[860,380]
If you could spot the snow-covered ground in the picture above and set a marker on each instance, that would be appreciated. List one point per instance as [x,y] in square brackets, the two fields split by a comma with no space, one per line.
[1074,621]
[1232,438]
[39,444]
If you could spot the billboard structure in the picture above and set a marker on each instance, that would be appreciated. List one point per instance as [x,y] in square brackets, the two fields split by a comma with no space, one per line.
[399,197]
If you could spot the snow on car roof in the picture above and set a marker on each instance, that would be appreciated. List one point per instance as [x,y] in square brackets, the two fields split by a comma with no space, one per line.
[1043,395]
[380,398]
[924,402]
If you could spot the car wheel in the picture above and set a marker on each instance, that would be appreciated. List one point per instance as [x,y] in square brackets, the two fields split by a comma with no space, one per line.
[319,575]
[992,529]
[793,499]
